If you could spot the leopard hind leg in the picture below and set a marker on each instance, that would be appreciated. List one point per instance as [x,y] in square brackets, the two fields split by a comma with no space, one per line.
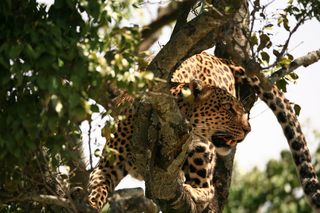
[114,165]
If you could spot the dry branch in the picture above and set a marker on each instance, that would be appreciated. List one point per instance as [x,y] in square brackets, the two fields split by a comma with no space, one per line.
[166,15]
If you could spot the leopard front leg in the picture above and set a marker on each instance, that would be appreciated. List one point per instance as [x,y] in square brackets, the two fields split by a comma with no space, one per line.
[198,169]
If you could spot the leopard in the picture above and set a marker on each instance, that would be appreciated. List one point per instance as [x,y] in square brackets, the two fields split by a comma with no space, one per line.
[214,115]
[224,74]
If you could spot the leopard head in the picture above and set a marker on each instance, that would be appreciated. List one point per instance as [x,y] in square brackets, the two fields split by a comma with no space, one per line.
[219,117]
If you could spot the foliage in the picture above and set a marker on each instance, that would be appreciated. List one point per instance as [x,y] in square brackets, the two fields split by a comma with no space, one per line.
[273,56]
[53,61]
[276,189]
[305,8]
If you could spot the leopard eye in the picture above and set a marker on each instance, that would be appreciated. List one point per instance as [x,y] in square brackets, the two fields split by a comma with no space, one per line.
[227,106]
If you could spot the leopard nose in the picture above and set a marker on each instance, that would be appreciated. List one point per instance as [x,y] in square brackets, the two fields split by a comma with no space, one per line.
[246,129]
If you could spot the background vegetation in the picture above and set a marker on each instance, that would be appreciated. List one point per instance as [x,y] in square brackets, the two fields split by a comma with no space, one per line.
[274,189]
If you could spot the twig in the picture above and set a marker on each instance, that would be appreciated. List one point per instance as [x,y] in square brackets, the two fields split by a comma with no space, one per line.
[285,46]
[253,15]
[305,61]
[89,145]
[42,172]
[54,176]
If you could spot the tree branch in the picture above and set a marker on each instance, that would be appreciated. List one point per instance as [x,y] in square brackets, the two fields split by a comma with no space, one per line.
[222,180]
[182,18]
[205,43]
[44,199]
[182,42]
[160,148]
[151,32]
[305,61]
[160,137]
[131,201]
[233,43]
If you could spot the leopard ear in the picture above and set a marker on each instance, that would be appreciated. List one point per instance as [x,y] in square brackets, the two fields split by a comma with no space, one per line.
[195,88]
[199,91]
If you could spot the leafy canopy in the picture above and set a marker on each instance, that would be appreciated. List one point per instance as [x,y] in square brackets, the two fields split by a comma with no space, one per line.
[53,61]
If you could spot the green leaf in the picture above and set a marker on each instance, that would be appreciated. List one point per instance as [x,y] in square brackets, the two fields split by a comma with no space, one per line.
[284,61]
[282,84]
[136,5]
[30,52]
[294,76]
[60,62]
[94,108]
[265,56]
[276,53]
[227,9]
[290,57]
[283,20]
[286,24]
[254,39]
[268,27]
[264,41]
[297,109]
[97,153]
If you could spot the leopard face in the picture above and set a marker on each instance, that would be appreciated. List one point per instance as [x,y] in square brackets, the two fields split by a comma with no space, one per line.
[221,118]
[216,115]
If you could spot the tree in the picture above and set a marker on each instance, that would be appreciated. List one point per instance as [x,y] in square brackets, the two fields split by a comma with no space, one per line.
[60,63]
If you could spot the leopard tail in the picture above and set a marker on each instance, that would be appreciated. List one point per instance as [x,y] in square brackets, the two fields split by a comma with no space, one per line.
[287,118]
